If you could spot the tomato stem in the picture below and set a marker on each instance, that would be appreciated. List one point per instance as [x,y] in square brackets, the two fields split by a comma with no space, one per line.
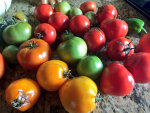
[32,45]
[144,30]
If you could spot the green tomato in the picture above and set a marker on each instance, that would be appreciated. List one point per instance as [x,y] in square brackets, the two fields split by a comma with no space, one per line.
[74,12]
[63,7]
[92,17]
[10,54]
[20,17]
[90,66]
[72,50]
[17,33]
[66,36]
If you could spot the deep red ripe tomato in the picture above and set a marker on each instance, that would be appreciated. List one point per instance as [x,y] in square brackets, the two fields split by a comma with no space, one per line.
[42,12]
[59,21]
[95,39]
[120,48]
[116,80]
[139,65]
[106,11]
[114,28]
[144,43]
[46,32]
[79,24]
[2,65]
[88,6]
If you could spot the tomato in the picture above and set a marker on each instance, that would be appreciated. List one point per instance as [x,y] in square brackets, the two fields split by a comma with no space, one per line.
[63,7]
[66,35]
[59,21]
[79,24]
[17,33]
[88,6]
[2,66]
[10,54]
[114,28]
[120,48]
[72,50]
[95,39]
[90,66]
[75,11]
[22,94]
[33,53]
[42,12]
[144,43]
[78,95]
[139,65]
[116,80]
[52,74]
[19,16]
[106,11]
[45,32]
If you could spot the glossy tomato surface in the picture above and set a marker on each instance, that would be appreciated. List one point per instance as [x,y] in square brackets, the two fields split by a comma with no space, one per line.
[78,95]
[22,94]
[116,80]
[2,65]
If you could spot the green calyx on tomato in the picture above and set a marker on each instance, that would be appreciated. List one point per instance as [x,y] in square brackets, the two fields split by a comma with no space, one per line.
[17,33]
[72,50]
[66,35]
[90,66]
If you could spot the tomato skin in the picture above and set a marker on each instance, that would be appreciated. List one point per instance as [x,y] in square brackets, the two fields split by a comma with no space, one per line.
[144,43]
[2,66]
[79,24]
[32,57]
[30,89]
[116,80]
[114,28]
[81,91]
[46,32]
[59,21]
[42,12]
[117,51]
[106,11]
[50,75]
[139,65]
[88,6]
[95,39]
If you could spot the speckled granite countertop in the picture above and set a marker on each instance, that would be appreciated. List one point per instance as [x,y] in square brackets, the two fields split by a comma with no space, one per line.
[137,102]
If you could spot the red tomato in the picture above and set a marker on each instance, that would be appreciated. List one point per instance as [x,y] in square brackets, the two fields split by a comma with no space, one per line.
[42,12]
[116,80]
[106,11]
[59,21]
[120,48]
[144,43]
[95,39]
[79,24]
[2,67]
[46,32]
[114,28]
[139,65]
[88,6]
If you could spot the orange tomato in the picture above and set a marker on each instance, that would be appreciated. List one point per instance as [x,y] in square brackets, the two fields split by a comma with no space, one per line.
[78,95]
[2,65]
[52,74]
[33,53]
[22,94]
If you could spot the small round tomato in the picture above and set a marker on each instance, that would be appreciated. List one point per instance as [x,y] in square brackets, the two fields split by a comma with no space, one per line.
[75,11]
[120,48]
[106,11]
[78,95]
[22,94]
[144,43]
[42,12]
[95,39]
[88,6]
[116,80]
[52,75]
[46,32]
[79,24]
[33,53]
[2,65]
[59,21]
[114,28]
[20,17]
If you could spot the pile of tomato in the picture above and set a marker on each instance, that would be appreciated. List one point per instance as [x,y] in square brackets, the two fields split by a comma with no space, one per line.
[79,31]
